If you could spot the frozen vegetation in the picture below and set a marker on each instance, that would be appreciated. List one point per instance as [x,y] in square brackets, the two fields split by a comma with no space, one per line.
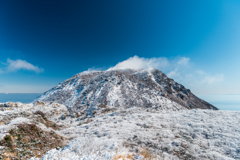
[134,133]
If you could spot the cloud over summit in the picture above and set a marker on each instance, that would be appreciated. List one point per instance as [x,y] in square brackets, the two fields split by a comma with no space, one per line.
[141,63]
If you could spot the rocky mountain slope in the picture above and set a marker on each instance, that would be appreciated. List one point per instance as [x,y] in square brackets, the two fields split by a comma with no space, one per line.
[123,88]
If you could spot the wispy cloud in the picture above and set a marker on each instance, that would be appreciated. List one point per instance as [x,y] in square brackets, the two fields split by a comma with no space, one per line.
[15,65]
[210,79]
[183,61]
[141,63]
[172,67]
[173,73]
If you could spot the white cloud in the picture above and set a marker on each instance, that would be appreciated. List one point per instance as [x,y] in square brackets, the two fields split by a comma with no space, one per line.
[141,63]
[173,67]
[15,65]
[183,61]
[200,72]
[93,69]
[173,73]
[178,66]
[211,79]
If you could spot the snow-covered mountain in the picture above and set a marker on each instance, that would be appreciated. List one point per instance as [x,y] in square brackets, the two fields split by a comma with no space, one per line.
[123,88]
[116,115]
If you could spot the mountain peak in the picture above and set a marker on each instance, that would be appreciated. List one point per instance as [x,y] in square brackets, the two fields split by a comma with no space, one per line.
[124,88]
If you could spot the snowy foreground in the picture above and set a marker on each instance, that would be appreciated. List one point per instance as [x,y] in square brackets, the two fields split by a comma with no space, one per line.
[135,133]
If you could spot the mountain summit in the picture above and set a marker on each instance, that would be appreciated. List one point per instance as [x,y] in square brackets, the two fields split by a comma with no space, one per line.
[124,88]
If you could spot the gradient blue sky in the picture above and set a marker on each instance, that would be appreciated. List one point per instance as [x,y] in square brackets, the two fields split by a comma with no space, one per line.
[197,43]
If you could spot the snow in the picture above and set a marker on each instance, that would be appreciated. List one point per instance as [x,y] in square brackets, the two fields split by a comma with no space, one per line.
[200,134]
[12,116]
[196,134]
[20,120]
[83,148]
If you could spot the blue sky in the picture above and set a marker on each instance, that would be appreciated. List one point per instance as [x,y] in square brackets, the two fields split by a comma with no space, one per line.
[196,42]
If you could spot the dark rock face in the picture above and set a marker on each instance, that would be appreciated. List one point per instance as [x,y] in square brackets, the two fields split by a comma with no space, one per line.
[124,88]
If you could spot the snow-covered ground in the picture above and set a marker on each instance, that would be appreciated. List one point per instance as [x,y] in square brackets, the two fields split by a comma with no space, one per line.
[186,134]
